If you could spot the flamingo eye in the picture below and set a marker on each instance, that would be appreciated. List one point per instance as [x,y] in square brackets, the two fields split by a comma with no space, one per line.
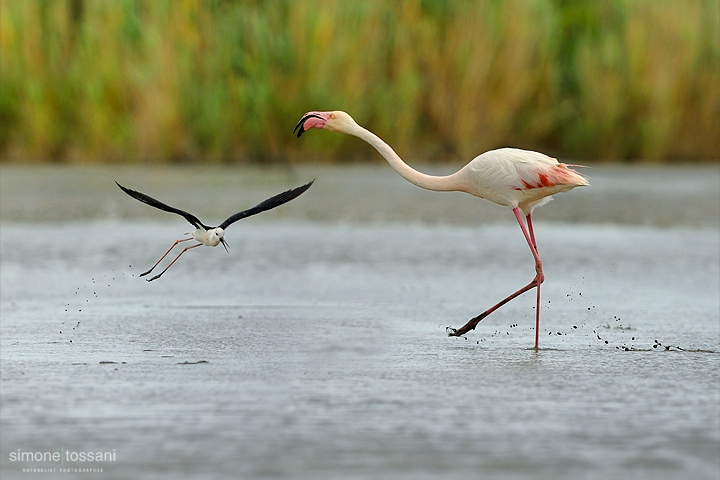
[332,115]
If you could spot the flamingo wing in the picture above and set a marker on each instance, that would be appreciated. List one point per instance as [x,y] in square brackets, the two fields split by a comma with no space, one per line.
[535,170]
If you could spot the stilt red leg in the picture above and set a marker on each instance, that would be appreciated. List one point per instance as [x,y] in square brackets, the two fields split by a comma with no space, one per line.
[539,278]
[171,263]
[166,253]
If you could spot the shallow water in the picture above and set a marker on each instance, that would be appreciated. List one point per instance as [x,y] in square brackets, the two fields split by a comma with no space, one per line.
[317,349]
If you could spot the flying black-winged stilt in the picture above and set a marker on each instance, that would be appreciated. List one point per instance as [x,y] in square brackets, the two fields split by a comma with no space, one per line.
[211,236]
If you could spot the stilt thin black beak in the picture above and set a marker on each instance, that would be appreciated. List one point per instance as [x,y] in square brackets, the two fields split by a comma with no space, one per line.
[300,125]
[225,244]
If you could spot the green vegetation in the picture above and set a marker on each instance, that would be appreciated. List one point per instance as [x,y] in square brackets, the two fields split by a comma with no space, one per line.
[225,81]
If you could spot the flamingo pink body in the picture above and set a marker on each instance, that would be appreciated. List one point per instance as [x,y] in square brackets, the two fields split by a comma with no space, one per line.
[519,179]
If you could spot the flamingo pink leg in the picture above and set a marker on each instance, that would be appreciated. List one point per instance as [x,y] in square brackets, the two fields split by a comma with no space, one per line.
[166,253]
[530,230]
[171,263]
[539,278]
[537,258]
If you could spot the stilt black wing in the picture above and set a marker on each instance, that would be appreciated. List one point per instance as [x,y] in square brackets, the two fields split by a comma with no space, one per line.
[158,204]
[268,204]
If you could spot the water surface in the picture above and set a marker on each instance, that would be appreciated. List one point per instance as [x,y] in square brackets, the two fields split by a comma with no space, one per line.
[317,349]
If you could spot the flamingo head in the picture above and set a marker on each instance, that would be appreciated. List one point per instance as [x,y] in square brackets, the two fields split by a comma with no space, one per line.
[336,121]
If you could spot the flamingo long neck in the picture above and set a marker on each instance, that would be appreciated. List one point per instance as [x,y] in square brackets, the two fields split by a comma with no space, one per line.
[447,183]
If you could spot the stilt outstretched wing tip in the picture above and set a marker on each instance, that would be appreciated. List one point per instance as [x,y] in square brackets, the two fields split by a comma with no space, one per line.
[270,203]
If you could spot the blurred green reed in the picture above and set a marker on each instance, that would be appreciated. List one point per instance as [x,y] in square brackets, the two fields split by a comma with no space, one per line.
[158,81]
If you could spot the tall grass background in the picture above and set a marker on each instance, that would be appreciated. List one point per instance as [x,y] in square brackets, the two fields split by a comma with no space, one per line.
[162,81]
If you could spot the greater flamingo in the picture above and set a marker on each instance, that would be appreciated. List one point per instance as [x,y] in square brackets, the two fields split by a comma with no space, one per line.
[211,236]
[515,178]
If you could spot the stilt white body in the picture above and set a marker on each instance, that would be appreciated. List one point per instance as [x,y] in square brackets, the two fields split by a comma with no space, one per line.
[209,238]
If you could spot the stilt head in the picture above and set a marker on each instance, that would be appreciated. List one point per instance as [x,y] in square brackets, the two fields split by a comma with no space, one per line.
[210,238]
[215,236]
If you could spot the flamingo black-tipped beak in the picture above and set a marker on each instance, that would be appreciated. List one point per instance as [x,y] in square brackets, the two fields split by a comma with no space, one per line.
[224,244]
[300,127]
